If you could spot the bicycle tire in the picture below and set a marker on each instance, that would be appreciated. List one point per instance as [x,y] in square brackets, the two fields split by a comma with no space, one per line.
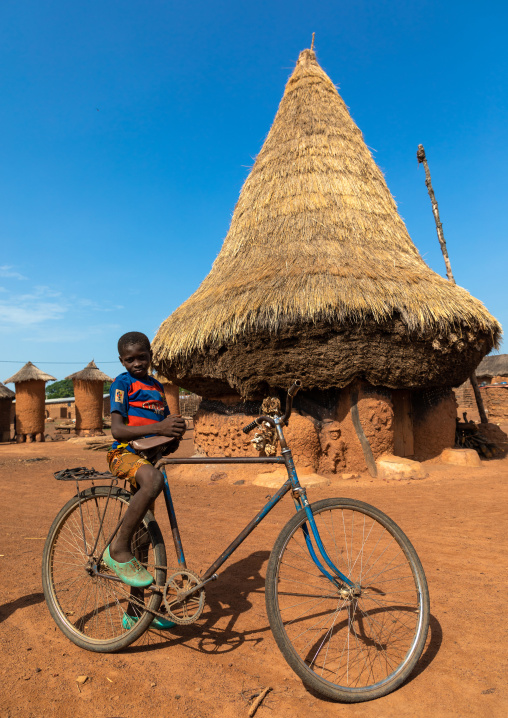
[89,609]
[357,649]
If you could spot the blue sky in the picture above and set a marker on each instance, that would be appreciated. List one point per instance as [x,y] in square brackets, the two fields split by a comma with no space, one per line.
[128,129]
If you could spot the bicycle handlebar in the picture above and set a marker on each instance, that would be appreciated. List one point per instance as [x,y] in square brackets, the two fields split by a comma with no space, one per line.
[292,392]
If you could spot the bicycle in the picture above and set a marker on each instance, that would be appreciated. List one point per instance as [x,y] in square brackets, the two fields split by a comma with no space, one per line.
[346,594]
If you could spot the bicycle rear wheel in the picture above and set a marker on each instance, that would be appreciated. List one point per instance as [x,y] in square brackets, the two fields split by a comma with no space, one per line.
[348,647]
[90,609]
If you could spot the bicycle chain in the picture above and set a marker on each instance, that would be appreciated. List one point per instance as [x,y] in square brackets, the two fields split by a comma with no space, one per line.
[154,587]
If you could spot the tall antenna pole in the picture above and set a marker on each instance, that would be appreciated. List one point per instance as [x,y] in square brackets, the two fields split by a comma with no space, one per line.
[422,159]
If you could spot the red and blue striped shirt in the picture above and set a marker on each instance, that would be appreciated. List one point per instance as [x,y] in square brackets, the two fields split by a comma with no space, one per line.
[140,401]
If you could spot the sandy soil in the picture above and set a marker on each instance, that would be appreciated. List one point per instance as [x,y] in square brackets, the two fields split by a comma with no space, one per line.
[455,518]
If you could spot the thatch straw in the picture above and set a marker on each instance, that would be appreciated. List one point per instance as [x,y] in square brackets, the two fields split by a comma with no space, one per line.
[90,373]
[315,236]
[6,393]
[496,365]
[29,373]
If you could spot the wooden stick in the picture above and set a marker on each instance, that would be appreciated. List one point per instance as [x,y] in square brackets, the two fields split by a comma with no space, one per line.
[422,159]
[258,701]
[420,156]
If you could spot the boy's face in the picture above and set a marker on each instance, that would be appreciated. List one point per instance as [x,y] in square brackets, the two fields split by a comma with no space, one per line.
[136,359]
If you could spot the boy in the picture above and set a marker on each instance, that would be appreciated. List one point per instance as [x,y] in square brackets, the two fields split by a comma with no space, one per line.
[138,409]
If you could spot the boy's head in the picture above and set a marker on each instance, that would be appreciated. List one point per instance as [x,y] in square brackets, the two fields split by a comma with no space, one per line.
[135,353]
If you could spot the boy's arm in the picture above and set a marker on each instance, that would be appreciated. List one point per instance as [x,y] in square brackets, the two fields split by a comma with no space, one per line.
[173,426]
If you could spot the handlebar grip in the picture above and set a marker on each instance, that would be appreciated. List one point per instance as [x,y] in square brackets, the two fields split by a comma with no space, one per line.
[293,390]
[249,427]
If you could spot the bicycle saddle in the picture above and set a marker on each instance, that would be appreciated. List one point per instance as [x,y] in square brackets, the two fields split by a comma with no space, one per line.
[152,442]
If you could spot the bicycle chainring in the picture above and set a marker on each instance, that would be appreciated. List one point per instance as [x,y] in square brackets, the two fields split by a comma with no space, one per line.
[183,610]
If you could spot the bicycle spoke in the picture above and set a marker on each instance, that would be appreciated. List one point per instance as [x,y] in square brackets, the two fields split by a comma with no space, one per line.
[93,607]
[351,638]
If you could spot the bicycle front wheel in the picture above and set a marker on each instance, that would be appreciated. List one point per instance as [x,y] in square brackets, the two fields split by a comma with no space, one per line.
[97,613]
[355,645]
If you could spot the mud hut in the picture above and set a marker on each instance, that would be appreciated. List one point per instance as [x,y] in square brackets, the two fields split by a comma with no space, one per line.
[88,392]
[493,369]
[318,278]
[6,397]
[30,383]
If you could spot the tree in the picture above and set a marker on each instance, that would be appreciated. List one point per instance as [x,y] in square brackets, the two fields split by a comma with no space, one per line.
[65,387]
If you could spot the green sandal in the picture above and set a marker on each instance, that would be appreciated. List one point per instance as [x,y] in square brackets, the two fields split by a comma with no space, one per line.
[162,624]
[132,572]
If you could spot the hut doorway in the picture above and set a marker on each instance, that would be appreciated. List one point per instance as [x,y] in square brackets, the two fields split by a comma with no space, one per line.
[403,434]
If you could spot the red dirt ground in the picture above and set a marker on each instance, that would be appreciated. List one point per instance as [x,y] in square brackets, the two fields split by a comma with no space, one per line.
[455,519]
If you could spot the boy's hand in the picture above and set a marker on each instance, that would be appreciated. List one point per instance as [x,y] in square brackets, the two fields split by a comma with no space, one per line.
[173,426]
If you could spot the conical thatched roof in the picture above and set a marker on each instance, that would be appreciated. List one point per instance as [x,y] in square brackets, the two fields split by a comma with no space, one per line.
[6,393]
[29,373]
[317,275]
[90,373]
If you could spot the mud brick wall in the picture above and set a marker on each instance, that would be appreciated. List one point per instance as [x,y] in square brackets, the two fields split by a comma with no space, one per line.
[496,402]
[434,423]
[5,419]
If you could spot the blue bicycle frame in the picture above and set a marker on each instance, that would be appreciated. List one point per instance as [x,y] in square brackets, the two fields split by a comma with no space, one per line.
[292,484]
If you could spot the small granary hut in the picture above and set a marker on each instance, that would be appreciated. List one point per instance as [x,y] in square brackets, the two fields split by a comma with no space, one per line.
[88,392]
[30,383]
[318,279]
[6,397]
[172,394]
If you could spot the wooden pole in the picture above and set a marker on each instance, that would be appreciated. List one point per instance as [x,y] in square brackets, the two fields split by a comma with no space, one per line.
[422,159]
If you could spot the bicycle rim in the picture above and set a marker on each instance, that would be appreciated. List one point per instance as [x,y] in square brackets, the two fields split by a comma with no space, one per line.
[89,609]
[351,648]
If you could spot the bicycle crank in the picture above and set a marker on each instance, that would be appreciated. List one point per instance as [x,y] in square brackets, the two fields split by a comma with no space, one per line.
[184,597]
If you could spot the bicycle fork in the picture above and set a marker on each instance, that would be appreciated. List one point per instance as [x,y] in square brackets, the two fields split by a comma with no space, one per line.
[302,504]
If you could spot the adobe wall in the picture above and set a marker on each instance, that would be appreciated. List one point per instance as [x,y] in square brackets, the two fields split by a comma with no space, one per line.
[61,410]
[496,403]
[327,446]
[341,449]
[328,443]
[5,418]
[89,406]
[30,402]
[434,421]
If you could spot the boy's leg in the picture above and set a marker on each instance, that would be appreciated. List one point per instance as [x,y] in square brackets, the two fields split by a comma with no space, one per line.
[149,481]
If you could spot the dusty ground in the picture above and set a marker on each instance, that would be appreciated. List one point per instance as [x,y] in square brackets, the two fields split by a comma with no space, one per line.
[455,518]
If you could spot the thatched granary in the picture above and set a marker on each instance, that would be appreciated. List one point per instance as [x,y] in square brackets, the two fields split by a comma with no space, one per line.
[318,277]
[6,397]
[88,392]
[30,383]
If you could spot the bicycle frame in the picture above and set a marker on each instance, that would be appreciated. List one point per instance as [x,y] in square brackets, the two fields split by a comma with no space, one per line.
[292,484]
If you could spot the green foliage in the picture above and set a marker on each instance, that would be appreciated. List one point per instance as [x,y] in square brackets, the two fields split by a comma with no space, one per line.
[64,388]
[60,389]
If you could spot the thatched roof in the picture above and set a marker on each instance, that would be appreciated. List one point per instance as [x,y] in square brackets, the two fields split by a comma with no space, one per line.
[29,373]
[316,243]
[6,393]
[90,373]
[496,365]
